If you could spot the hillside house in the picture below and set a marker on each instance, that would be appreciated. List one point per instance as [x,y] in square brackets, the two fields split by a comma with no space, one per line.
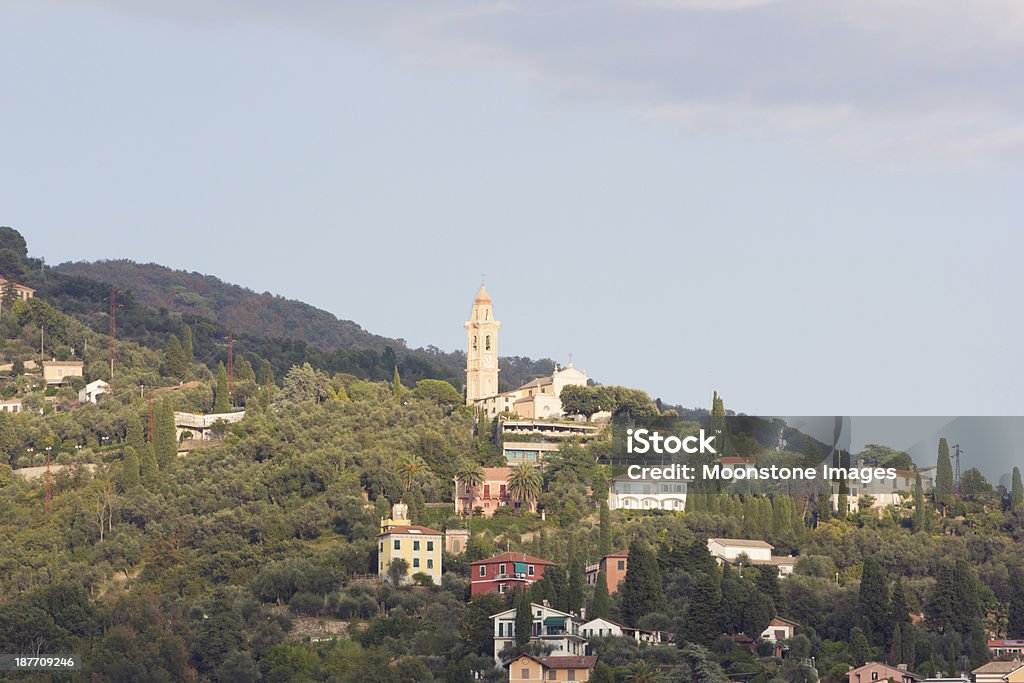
[626,493]
[551,627]
[487,497]
[530,668]
[606,628]
[59,371]
[91,392]
[1000,672]
[505,572]
[876,671]
[614,567]
[732,550]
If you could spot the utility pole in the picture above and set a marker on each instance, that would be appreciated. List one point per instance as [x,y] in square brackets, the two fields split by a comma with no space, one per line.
[956,464]
[231,367]
[113,328]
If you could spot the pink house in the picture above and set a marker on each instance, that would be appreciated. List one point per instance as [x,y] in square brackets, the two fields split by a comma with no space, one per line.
[876,671]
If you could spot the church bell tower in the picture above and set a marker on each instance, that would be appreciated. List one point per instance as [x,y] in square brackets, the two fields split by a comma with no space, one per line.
[481,349]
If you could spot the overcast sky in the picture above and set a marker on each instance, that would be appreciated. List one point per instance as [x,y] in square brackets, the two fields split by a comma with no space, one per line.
[813,207]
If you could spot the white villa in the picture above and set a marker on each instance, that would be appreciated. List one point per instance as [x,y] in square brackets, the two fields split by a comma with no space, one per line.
[550,627]
[757,553]
[626,493]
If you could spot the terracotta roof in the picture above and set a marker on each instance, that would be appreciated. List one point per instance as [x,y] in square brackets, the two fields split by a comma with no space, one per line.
[780,621]
[998,667]
[563,662]
[741,543]
[412,530]
[621,553]
[513,557]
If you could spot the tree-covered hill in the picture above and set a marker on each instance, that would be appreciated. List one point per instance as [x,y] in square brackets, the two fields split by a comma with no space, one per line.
[155,302]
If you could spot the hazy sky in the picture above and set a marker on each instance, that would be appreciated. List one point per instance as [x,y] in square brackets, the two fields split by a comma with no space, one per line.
[813,207]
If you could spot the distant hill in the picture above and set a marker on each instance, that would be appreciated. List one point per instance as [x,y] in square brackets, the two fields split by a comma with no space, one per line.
[242,310]
[156,301]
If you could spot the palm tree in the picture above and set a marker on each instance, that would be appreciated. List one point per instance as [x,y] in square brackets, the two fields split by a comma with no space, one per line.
[412,465]
[524,484]
[471,474]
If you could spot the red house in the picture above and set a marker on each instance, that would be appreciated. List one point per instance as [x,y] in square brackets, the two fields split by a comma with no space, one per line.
[505,572]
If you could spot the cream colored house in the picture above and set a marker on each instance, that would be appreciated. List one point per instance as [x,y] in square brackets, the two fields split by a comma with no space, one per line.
[20,291]
[757,553]
[551,627]
[882,492]
[58,371]
[1000,672]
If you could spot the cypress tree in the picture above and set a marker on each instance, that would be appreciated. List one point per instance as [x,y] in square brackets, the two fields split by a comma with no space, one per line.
[757,613]
[130,469]
[577,584]
[896,651]
[920,512]
[165,443]
[186,344]
[940,608]
[221,399]
[899,613]
[1016,492]
[601,606]
[860,648]
[605,544]
[768,584]
[943,476]
[702,617]
[524,619]
[148,469]
[1015,626]
[136,434]
[175,360]
[873,602]
[734,597]
[843,501]
[396,386]
[641,589]
[266,376]
[556,590]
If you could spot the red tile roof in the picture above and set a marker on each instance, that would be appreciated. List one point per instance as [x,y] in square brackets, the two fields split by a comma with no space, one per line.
[513,557]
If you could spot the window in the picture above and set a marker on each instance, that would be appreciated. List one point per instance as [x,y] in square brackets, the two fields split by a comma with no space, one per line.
[430,546]
[501,629]
[382,547]
[572,675]
[457,546]
[501,569]
[483,570]
[487,490]
[526,674]
[415,545]
[874,675]
[622,565]
[529,570]
[474,342]
[415,562]
[551,676]
[487,343]
[502,587]
[398,544]
[430,564]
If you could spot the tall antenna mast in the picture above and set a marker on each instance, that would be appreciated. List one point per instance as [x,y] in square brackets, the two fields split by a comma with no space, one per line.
[956,474]
[231,367]
[113,328]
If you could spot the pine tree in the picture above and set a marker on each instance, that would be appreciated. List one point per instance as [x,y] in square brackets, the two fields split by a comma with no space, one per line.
[601,606]
[148,469]
[943,476]
[221,399]
[165,442]
[130,469]
[1015,626]
[702,616]
[605,545]
[186,344]
[1016,492]
[641,589]
[524,619]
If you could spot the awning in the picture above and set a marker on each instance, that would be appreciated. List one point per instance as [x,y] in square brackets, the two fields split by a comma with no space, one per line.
[520,567]
[555,621]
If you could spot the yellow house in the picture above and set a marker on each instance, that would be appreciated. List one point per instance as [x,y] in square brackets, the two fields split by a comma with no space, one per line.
[56,371]
[419,546]
[529,668]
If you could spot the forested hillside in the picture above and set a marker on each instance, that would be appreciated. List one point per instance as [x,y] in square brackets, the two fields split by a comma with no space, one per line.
[253,556]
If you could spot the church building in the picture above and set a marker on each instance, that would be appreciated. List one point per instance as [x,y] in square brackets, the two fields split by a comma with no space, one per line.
[535,400]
